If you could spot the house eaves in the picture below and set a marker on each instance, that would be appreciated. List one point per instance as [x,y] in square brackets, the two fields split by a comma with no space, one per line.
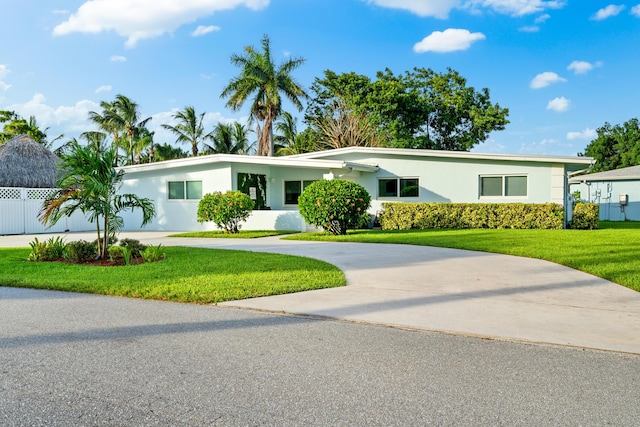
[631,173]
[287,161]
[575,160]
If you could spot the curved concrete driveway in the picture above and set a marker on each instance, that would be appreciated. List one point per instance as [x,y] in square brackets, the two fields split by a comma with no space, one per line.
[473,293]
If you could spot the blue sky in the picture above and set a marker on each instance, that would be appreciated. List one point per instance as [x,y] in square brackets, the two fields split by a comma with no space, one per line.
[563,68]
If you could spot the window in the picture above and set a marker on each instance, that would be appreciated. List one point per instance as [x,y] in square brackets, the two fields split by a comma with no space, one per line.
[503,186]
[398,187]
[181,190]
[293,189]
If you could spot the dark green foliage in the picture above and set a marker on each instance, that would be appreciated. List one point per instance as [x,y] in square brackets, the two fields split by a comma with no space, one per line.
[225,210]
[335,205]
[616,146]
[81,251]
[405,216]
[585,216]
[50,250]
[134,246]
[417,109]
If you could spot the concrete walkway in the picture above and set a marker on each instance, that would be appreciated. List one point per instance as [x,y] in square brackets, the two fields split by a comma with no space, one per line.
[465,292]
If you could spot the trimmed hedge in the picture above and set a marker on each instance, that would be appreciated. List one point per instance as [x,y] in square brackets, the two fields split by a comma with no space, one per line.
[585,216]
[405,216]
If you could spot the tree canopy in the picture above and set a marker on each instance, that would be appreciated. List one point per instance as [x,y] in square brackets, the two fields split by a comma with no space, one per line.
[15,125]
[616,146]
[417,109]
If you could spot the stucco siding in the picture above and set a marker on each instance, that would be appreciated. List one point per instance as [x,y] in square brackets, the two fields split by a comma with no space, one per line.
[607,195]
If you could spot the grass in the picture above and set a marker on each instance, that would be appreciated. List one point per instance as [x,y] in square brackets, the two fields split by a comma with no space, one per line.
[612,252]
[194,275]
[249,234]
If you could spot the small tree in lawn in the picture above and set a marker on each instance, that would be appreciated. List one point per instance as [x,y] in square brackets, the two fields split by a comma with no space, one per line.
[335,205]
[226,210]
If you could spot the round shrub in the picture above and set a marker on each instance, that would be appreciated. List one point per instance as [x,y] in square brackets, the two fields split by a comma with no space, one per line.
[225,210]
[335,205]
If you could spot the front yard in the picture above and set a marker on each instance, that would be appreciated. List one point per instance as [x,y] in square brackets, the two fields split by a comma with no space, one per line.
[611,252]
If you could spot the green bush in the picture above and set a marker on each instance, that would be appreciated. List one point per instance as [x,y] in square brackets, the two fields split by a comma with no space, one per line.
[585,216]
[134,246]
[153,253]
[335,205]
[225,210]
[81,251]
[405,216]
[49,250]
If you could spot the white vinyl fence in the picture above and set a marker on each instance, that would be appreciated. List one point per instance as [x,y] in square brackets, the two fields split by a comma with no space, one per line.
[19,208]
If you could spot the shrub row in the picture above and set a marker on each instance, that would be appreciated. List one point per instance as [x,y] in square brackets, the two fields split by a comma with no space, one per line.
[80,251]
[585,216]
[405,216]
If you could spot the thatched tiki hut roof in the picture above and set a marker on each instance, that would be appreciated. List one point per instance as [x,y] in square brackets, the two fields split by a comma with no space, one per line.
[25,163]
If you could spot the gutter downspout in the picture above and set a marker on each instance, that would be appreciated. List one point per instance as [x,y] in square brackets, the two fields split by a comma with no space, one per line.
[568,175]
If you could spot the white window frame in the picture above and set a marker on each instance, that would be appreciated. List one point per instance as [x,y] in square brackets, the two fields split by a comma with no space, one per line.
[504,186]
[184,188]
[397,179]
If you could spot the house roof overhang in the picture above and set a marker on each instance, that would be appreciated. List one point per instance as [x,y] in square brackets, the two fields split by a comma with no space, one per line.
[569,160]
[288,161]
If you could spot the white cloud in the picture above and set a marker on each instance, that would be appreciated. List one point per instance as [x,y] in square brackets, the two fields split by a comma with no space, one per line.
[202,30]
[635,10]
[144,19]
[118,58]
[583,67]
[542,18]
[449,40]
[441,8]
[437,9]
[489,146]
[4,71]
[516,7]
[545,79]
[104,88]
[587,134]
[63,119]
[529,29]
[608,12]
[559,104]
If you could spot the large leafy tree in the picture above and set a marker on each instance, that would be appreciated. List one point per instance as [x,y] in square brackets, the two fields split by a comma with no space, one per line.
[190,129]
[90,184]
[265,85]
[616,146]
[417,109]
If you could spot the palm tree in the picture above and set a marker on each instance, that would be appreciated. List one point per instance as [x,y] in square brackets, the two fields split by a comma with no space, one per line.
[229,138]
[90,184]
[240,135]
[189,129]
[261,80]
[121,118]
[167,152]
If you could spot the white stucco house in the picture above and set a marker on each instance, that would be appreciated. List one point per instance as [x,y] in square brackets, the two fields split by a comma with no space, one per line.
[616,191]
[388,174]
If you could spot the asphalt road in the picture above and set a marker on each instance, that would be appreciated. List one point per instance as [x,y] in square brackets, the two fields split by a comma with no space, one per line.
[85,360]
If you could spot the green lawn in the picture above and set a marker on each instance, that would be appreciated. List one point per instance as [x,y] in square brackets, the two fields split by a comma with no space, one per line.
[249,234]
[612,252]
[185,275]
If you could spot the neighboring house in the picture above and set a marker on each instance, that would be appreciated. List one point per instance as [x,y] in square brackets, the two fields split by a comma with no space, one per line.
[28,173]
[616,191]
[275,183]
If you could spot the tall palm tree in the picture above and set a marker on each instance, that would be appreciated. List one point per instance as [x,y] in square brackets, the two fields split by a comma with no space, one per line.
[265,83]
[90,184]
[121,118]
[240,135]
[229,138]
[189,129]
